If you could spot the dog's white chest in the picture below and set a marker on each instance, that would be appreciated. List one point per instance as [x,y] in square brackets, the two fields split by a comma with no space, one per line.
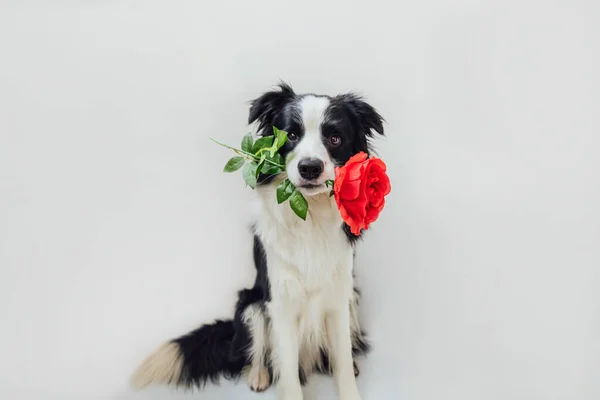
[308,259]
[316,259]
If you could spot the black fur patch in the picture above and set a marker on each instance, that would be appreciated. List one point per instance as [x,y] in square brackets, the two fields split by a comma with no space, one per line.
[352,238]
[206,354]
[261,281]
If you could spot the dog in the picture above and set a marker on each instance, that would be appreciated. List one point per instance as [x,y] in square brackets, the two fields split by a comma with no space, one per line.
[300,317]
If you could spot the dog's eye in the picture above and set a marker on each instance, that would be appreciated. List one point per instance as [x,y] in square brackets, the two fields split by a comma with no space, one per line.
[292,137]
[335,140]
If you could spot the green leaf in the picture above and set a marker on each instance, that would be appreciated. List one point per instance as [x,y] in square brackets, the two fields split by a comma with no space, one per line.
[261,163]
[271,169]
[329,183]
[280,139]
[277,158]
[262,143]
[234,164]
[284,190]
[247,143]
[299,204]
[249,173]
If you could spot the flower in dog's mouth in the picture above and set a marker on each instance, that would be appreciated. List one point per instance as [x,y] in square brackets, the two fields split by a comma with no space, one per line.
[262,157]
[359,188]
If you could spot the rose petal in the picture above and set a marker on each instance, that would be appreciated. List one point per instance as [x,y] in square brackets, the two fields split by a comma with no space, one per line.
[350,190]
[357,158]
[355,172]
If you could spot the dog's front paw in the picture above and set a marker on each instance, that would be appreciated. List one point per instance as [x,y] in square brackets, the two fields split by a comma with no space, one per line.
[259,379]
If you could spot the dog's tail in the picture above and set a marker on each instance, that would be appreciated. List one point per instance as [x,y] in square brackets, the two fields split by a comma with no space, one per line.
[203,355]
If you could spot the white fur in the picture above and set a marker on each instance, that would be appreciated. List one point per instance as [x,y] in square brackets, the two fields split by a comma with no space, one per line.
[162,366]
[312,112]
[258,376]
[310,271]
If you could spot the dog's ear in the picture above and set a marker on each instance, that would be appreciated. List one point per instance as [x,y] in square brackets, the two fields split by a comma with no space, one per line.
[367,115]
[265,108]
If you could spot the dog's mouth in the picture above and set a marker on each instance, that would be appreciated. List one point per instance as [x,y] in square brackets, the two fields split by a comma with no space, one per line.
[311,186]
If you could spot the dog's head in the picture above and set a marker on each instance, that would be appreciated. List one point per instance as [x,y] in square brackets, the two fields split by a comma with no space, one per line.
[323,132]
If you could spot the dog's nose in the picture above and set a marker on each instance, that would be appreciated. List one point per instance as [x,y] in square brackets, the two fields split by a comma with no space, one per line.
[310,168]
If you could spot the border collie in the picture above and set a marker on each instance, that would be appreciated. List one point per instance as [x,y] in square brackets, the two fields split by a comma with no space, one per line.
[301,315]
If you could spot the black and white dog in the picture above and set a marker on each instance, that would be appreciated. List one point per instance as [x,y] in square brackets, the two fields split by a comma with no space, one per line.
[301,315]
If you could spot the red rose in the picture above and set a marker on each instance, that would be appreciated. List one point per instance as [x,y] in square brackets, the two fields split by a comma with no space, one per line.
[359,188]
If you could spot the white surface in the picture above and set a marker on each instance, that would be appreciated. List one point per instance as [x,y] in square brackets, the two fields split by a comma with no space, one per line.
[118,229]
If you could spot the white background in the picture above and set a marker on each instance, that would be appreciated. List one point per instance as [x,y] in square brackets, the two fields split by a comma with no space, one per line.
[118,229]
